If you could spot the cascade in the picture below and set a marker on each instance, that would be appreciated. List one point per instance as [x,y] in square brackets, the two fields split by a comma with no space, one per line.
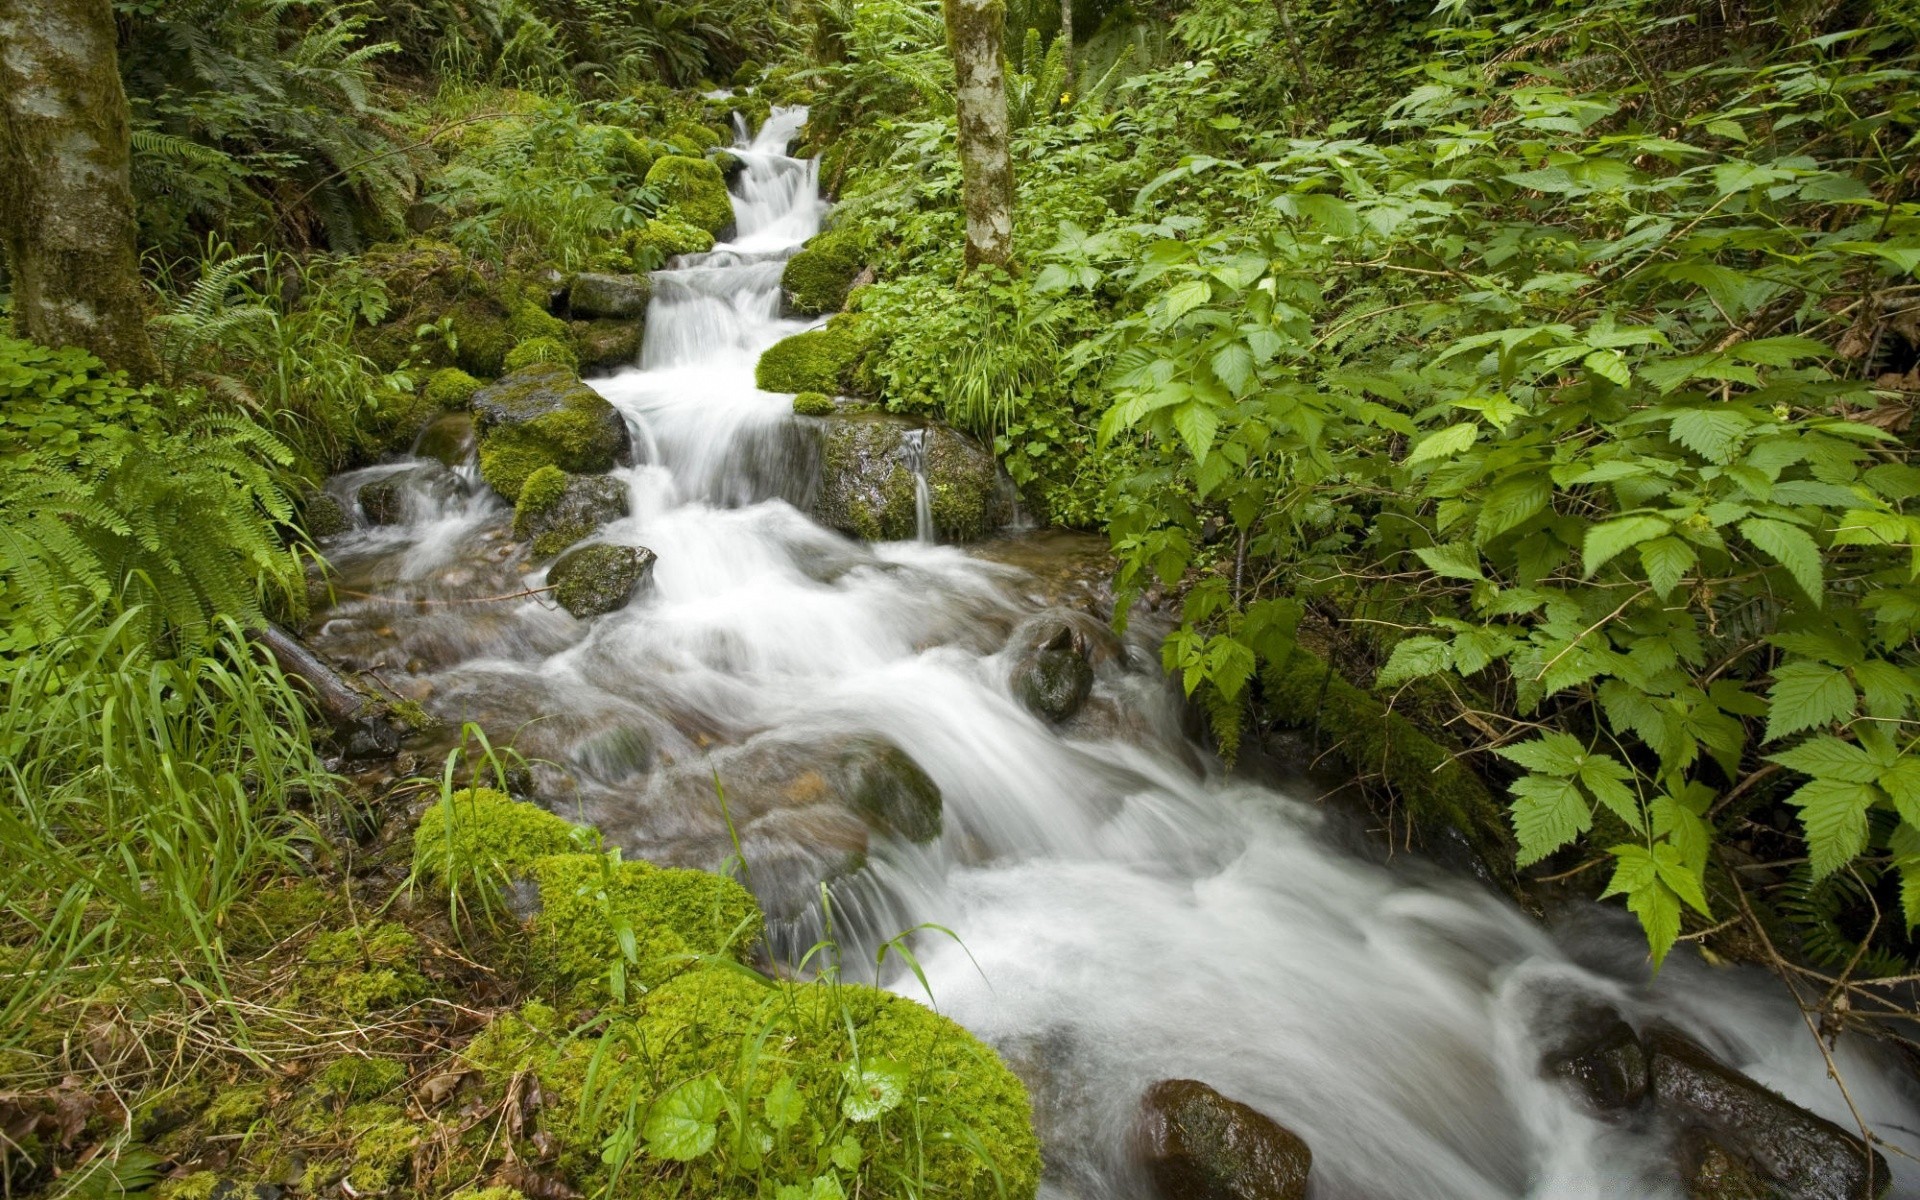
[1125,912]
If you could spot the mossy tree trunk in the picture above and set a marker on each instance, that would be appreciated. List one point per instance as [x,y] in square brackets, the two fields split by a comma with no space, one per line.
[66,198]
[1066,45]
[974,29]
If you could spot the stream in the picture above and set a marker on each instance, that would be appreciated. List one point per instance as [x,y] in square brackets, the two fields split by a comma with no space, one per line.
[1126,911]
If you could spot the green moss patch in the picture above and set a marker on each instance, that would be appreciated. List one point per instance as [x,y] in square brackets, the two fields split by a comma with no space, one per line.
[817,279]
[820,360]
[813,404]
[451,388]
[662,238]
[362,969]
[483,830]
[542,415]
[541,350]
[694,193]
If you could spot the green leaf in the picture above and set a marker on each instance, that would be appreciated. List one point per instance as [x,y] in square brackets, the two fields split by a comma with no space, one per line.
[878,1087]
[1713,434]
[1456,560]
[1443,443]
[1805,695]
[1790,546]
[1559,754]
[1611,537]
[1608,365]
[1605,778]
[1234,366]
[1834,814]
[1413,658]
[1197,425]
[1184,297]
[1826,757]
[1636,875]
[1667,561]
[848,1152]
[1547,814]
[1901,783]
[826,1187]
[784,1107]
[682,1124]
[1685,881]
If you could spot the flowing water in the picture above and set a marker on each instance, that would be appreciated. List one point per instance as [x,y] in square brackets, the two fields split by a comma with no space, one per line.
[1133,914]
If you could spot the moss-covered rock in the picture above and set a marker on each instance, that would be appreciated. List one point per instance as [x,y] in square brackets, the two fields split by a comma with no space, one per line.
[483,831]
[363,969]
[608,345]
[449,439]
[598,579]
[917,1074]
[1053,678]
[825,360]
[817,279]
[543,415]
[450,388]
[399,497]
[556,509]
[813,404]
[322,516]
[526,318]
[620,297]
[694,192]
[662,238]
[867,485]
[731,165]
[693,137]
[541,350]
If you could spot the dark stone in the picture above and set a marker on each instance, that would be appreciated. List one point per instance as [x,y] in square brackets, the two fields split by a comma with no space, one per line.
[448,439]
[884,785]
[1055,679]
[323,516]
[607,345]
[1713,1173]
[1805,1156]
[385,500]
[371,737]
[1198,1145]
[867,479]
[618,297]
[1607,1069]
[424,215]
[600,578]
[588,502]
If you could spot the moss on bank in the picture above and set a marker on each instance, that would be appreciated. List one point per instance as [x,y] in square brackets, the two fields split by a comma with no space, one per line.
[828,360]
[817,279]
[694,193]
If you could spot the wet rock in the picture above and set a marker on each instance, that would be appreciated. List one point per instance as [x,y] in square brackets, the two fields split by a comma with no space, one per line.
[553,518]
[793,851]
[1198,1145]
[884,785]
[600,578]
[1802,1155]
[447,439]
[618,297]
[542,415]
[868,487]
[1055,679]
[385,501]
[1606,1068]
[323,516]
[607,345]
[1712,1173]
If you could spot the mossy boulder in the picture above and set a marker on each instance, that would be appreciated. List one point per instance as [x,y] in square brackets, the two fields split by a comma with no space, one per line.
[814,404]
[608,345]
[449,439]
[693,192]
[322,516]
[829,360]
[620,297]
[917,1073]
[693,137]
[731,165]
[598,579]
[867,484]
[1054,678]
[450,388]
[543,415]
[1199,1145]
[556,509]
[889,790]
[541,350]
[662,238]
[432,283]
[480,830]
[817,279]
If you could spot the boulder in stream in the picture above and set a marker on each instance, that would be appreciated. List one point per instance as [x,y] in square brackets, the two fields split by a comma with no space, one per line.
[868,484]
[1199,1145]
[1608,1068]
[542,415]
[600,578]
[557,509]
[617,297]
[607,345]
[1054,678]
[448,439]
[394,499]
[1803,1156]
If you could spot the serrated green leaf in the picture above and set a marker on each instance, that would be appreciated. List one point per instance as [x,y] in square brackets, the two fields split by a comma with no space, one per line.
[1605,779]
[1547,814]
[1666,561]
[1827,757]
[1636,875]
[1790,546]
[1559,754]
[1455,560]
[1901,783]
[1443,443]
[1834,815]
[1413,658]
[1713,434]
[783,1105]
[1608,365]
[1609,538]
[1805,695]
[1197,425]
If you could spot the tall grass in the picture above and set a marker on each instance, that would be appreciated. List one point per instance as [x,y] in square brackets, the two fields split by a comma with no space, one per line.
[144,796]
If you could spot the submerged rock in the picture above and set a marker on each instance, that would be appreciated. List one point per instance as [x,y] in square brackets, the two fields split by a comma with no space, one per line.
[618,297]
[1198,1145]
[385,501]
[1803,1156]
[1608,1069]
[557,509]
[868,488]
[884,785]
[542,415]
[600,578]
[1054,679]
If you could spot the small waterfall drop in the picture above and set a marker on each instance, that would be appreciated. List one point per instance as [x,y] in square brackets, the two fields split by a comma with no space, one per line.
[1127,912]
[916,443]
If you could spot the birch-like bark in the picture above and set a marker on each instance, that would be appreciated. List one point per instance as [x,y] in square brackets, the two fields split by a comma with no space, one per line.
[974,29]
[66,196]
[1066,45]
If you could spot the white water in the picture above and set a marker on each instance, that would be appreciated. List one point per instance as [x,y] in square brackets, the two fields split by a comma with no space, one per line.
[1134,916]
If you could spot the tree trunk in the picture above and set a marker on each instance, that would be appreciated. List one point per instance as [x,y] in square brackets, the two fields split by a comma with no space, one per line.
[66,197]
[986,168]
[1066,46]
[1285,12]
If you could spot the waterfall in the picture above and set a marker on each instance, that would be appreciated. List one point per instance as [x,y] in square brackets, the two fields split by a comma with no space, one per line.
[916,442]
[1125,912]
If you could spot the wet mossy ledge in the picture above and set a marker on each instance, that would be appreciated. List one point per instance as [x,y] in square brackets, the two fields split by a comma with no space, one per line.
[537,1016]
[832,360]
[540,416]
[817,279]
